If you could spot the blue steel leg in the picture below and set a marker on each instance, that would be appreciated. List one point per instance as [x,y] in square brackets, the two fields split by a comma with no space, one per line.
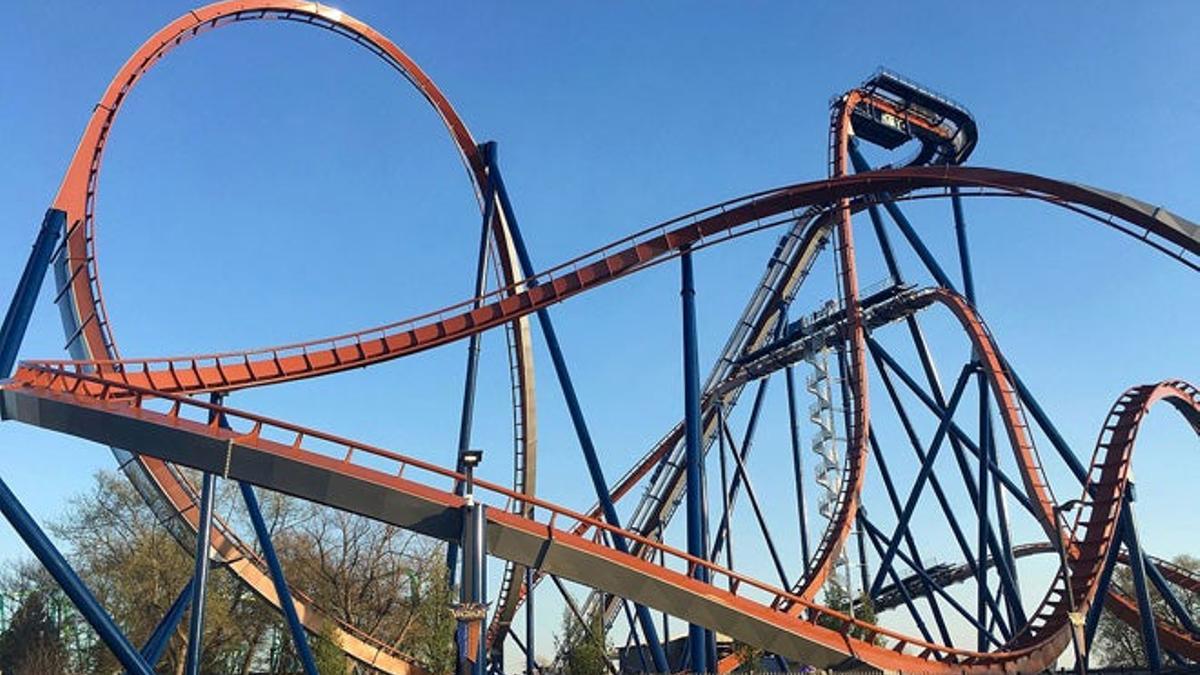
[725,489]
[1106,572]
[723,531]
[930,597]
[157,644]
[697,636]
[466,418]
[1172,600]
[797,465]
[981,576]
[1145,609]
[71,584]
[200,577]
[16,320]
[299,637]
[740,469]
[530,661]
[922,477]
[473,591]
[591,457]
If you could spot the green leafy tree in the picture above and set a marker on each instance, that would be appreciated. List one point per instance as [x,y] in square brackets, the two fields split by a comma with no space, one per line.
[328,656]
[837,598]
[382,580]
[1119,645]
[32,644]
[584,649]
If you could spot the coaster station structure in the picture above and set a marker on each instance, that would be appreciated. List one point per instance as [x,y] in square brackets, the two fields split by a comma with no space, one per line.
[161,414]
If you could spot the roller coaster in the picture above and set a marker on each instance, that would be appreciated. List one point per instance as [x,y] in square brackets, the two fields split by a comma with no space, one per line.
[859,342]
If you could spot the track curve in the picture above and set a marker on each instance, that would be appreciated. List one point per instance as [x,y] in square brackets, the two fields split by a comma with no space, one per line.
[89,331]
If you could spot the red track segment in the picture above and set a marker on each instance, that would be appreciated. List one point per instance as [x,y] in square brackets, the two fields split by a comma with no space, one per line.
[235,370]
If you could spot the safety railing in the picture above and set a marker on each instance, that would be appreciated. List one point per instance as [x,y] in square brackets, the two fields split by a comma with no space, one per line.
[300,442]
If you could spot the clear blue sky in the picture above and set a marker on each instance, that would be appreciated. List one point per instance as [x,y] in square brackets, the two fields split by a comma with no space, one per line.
[270,183]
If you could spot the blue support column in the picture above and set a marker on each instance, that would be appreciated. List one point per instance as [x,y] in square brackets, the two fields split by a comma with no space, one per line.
[467,415]
[472,659]
[530,661]
[157,644]
[1141,589]
[590,456]
[797,464]
[697,635]
[58,567]
[299,636]
[16,320]
[723,529]
[922,477]
[200,577]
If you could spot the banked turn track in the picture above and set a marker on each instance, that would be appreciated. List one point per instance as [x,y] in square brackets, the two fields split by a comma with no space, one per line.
[144,410]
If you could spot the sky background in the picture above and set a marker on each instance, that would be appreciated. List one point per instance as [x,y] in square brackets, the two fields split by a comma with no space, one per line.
[268,183]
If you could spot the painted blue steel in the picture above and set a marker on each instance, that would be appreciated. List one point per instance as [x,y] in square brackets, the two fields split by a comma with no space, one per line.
[530,662]
[1043,420]
[979,497]
[694,455]
[986,452]
[200,577]
[467,416]
[930,597]
[882,357]
[633,635]
[591,457]
[1106,572]
[16,319]
[964,251]
[727,505]
[723,532]
[904,594]
[1141,590]
[875,532]
[473,586]
[1007,585]
[157,644]
[299,636]
[797,464]
[71,584]
[1168,594]
[922,477]
[740,469]
[885,243]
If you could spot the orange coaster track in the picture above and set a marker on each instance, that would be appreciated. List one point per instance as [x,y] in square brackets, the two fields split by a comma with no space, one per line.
[144,410]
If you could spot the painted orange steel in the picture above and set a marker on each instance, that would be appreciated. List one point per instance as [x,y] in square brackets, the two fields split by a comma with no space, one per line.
[123,386]
[230,371]
[1033,649]
[77,197]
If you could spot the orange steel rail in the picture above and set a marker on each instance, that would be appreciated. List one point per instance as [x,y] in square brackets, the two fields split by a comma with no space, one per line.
[80,286]
[115,392]
[263,451]
[229,371]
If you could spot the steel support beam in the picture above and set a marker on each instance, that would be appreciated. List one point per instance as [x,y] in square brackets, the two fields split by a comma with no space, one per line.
[1141,588]
[466,417]
[797,465]
[692,436]
[472,658]
[299,636]
[922,477]
[157,643]
[590,456]
[200,577]
[16,319]
[58,567]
